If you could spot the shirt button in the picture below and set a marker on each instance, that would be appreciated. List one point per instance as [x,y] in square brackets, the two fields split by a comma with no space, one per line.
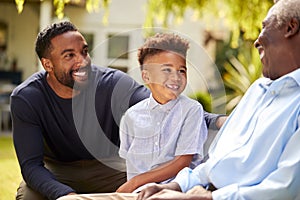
[158,123]
[156,143]
[273,92]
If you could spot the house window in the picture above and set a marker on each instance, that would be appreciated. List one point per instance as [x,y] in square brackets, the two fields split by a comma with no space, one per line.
[89,37]
[118,46]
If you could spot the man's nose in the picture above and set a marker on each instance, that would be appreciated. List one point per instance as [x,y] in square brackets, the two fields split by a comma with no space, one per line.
[82,60]
[256,43]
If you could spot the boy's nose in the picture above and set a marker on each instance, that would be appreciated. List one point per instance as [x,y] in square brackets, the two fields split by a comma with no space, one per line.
[176,76]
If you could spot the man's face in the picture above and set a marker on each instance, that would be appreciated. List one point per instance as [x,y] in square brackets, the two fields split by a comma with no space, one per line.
[165,74]
[70,60]
[272,48]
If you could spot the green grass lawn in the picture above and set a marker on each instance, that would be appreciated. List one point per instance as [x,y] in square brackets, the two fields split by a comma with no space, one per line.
[10,175]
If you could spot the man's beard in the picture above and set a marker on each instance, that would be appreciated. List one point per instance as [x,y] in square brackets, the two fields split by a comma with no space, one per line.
[68,80]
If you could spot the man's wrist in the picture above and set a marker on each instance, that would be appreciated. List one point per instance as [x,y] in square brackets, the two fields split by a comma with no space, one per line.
[173,186]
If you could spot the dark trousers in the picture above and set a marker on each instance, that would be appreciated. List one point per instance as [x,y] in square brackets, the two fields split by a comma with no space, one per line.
[87,176]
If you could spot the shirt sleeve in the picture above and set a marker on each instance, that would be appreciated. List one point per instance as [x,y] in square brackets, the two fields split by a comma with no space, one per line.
[124,137]
[188,178]
[282,183]
[29,146]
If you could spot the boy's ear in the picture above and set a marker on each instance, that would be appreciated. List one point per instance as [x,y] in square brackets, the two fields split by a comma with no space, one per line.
[292,27]
[47,64]
[145,76]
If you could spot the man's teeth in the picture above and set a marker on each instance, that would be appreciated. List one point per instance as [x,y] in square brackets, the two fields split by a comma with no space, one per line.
[79,73]
[261,55]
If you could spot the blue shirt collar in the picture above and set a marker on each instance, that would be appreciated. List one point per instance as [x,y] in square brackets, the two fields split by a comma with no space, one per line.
[291,78]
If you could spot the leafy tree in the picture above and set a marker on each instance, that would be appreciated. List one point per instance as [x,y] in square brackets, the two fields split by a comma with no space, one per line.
[59,5]
[240,16]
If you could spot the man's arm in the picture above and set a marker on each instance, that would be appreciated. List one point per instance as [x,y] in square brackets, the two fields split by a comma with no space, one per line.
[29,146]
[214,121]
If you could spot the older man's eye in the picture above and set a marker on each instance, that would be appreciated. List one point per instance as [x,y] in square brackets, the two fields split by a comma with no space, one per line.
[167,70]
[85,51]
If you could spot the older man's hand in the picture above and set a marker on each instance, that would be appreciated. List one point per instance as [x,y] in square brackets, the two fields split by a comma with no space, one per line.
[159,192]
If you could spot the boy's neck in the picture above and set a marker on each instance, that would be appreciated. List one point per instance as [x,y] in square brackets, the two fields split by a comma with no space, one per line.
[162,102]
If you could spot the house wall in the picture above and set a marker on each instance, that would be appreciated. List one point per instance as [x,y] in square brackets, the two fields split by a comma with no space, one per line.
[22,31]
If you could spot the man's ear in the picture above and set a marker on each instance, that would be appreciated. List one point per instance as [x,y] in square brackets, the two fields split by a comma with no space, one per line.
[145,76]
[292,27]
[47,64]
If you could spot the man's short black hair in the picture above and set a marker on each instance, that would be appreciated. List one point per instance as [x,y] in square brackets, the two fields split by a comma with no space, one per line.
[43,40]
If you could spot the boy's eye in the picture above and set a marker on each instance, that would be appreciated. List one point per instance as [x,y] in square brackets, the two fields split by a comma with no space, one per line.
[182,71]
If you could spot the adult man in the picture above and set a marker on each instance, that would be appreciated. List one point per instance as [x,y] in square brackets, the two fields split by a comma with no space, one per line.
[66,118]
[256,154]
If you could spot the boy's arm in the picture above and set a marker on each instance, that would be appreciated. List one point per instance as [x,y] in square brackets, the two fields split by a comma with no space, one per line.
[161,173]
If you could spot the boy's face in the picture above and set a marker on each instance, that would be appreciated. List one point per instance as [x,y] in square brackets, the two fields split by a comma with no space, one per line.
[165,74]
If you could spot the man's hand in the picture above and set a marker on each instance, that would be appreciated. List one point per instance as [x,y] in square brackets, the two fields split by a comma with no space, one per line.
[220,121]
[170,192]
[196,194]
[166,194]
[149,191]
[156,188]
[200,191]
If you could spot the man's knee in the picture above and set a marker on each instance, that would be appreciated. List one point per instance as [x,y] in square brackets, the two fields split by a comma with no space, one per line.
[26,193]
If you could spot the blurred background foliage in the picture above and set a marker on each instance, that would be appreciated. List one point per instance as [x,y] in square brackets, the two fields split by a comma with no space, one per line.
[240,16]
[205,100]
[236,58]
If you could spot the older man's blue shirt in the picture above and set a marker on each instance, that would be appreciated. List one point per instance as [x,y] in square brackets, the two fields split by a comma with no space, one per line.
[256,154]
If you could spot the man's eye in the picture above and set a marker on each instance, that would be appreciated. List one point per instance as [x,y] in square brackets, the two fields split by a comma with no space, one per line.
[69,56]
[167,70]
[85,51]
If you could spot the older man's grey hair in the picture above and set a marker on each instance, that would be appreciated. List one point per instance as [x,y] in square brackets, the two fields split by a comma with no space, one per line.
[285,10]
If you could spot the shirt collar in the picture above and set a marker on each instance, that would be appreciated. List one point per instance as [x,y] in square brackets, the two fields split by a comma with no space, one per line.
[295,75]
[153,104]
[292,77]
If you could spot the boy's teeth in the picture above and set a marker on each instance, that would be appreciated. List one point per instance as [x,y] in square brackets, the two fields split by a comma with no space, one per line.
[173,86]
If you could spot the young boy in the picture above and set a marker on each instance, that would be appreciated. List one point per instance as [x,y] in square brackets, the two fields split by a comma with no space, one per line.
[164,133]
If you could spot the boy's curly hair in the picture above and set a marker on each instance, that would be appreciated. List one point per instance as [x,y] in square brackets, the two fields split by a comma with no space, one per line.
[162,42]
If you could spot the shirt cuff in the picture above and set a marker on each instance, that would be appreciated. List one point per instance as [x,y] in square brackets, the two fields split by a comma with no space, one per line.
[186,179]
